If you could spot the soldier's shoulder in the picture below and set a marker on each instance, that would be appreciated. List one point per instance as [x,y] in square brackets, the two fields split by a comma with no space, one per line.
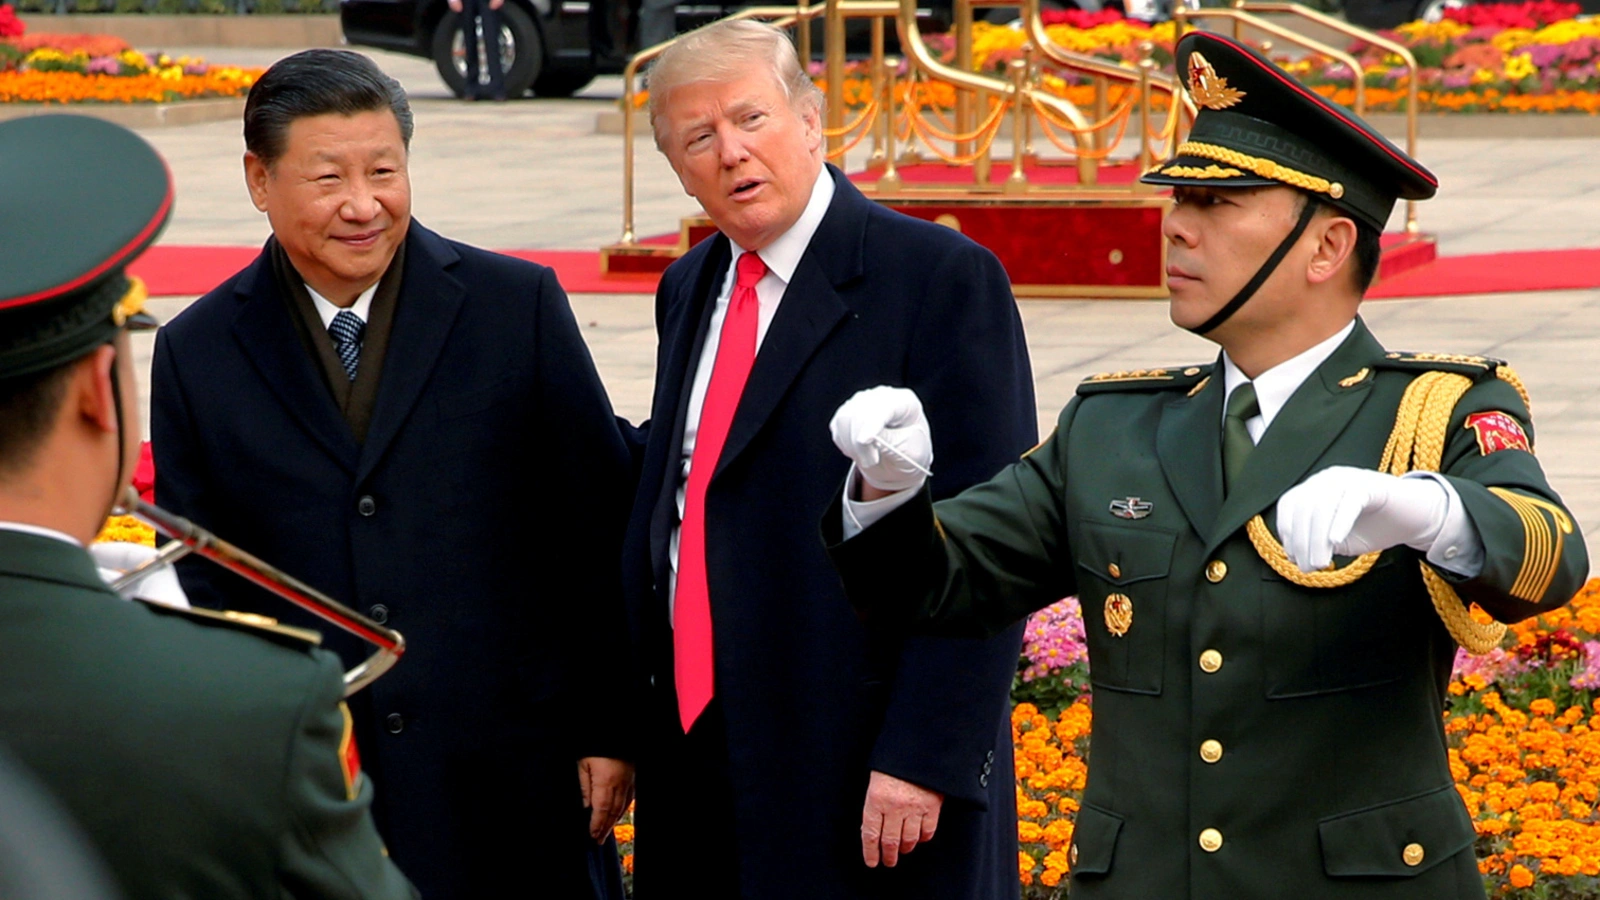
[1416,362]
[259,627]
[1171,378]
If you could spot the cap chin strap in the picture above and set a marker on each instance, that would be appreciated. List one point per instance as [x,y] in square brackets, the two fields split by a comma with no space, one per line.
[1263,273]
[119,485]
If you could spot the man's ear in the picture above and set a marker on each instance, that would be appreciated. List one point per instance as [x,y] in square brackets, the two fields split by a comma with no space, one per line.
[811,117]
[1336,246]
[90,392]
[256,174]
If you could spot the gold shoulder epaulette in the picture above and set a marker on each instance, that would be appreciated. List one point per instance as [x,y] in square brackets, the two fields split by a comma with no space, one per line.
[250,623]
[1173,378]
[1474,366]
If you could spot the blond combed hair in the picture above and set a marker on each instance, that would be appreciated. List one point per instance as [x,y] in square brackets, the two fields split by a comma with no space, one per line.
[727,51]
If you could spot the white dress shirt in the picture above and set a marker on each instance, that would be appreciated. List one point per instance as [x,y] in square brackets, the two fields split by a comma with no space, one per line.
[327,310]
[40,531]
[782,257]
[1458,548]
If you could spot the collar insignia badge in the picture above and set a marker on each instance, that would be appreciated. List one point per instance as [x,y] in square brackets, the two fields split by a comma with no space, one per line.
[1207,87]
[1131,508]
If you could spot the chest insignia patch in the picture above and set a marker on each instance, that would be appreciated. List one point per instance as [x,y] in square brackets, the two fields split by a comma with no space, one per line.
[1119,614]
[1131,508]
[1498,431]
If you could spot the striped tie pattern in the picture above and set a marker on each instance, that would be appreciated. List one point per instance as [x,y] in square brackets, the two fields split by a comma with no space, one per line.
[347,329]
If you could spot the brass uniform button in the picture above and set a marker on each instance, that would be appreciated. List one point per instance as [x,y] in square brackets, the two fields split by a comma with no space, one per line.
[1192,371]
[1413,854]
[1114,570]
[1072,855]
[1211,840]
[1210,661]
[1211,751]
[1216,570]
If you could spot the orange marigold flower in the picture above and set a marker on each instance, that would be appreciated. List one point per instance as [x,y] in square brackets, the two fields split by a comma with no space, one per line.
[1521,877]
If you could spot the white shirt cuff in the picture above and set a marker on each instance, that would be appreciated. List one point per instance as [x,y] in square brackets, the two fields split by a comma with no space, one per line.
[859,515]
[1458,548]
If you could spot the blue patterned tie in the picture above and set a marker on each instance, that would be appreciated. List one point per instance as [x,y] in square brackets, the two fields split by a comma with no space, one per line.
[346,330]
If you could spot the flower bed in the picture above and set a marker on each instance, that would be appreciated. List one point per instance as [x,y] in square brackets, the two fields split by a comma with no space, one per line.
[89,68]
[1524,57]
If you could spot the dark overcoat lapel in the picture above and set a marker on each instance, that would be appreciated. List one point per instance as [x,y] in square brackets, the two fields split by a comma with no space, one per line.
[422,324]
[811,310]
[270,340]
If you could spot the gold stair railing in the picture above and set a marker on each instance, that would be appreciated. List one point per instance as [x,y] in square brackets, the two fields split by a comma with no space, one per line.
[1245,14]
[1181,108]
[1020,93]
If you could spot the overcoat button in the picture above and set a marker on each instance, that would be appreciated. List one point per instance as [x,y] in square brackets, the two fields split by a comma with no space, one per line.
[394,723]
[1114,570]
[1210,661]
[1413,854]
[983,780]
[1211,751]
[1072,855]
[379,613]
[1216,570]
[366,505]
[1211,840]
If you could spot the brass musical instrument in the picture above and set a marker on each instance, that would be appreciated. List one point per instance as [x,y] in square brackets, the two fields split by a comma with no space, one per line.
[188,538]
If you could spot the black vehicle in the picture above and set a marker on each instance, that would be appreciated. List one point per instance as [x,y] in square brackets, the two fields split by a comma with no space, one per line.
[544,44]
[552,47]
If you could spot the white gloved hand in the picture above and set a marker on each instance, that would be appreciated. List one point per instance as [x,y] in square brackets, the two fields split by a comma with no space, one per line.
[885,416]
[159,585]
[1347,511]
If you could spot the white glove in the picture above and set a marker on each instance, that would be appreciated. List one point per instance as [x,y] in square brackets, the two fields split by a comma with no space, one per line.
[159,585]
[1348,511]
[885,433]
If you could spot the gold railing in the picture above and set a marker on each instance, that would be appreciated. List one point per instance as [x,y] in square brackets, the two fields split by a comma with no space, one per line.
[1246,14]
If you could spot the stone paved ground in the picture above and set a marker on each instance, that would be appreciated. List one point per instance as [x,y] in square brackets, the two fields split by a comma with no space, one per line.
[534,174]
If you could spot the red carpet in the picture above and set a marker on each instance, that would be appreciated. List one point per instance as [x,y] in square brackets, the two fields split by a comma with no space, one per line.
[169,270]
[1496,273]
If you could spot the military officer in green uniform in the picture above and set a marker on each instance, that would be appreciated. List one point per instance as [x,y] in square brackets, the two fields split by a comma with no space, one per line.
[1266,724]
[203,758]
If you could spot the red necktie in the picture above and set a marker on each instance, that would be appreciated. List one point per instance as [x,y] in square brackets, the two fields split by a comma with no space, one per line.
[693,665]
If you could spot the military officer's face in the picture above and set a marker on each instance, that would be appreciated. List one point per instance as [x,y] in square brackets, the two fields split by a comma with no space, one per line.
[745,152]
[1217,239]
[339,199]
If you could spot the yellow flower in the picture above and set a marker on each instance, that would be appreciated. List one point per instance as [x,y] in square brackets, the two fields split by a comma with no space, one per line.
[1520,66]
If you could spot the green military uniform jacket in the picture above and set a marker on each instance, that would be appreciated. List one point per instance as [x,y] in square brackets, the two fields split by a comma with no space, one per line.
[1252,738]
[202,761]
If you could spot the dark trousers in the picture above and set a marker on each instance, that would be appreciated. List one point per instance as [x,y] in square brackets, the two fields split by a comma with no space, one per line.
[473,12]
[685,831]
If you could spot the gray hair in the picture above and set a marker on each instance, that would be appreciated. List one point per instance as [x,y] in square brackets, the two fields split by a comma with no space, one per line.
[313,83]
[727,51]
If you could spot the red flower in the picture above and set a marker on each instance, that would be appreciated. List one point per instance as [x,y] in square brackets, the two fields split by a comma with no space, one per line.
[10,25]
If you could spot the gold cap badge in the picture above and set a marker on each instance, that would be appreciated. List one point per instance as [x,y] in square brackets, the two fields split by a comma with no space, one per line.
[1207,87]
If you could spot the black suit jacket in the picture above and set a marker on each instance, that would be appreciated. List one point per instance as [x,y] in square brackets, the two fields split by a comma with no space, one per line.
[482,517]
[813,700]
